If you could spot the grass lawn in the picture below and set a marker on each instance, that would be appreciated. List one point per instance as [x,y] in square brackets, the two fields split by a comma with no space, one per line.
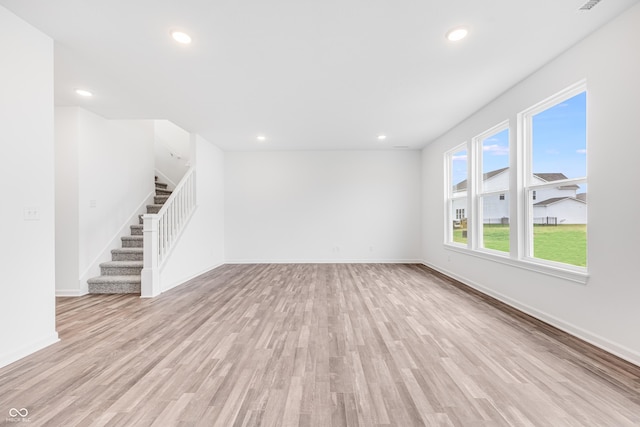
[562,243]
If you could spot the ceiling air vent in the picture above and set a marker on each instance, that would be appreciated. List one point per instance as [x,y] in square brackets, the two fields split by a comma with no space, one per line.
[589,5]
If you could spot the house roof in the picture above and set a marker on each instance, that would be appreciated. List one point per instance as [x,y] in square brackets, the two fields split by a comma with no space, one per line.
[556,176]
[553,176]
[545,176]
[462,185]
[553,200]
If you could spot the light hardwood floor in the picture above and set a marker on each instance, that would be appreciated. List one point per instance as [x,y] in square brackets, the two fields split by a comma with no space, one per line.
[315,345]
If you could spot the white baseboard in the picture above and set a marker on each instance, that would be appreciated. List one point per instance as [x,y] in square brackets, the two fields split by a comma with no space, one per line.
[70,293]
[9,355]
[190,277]
[603,343]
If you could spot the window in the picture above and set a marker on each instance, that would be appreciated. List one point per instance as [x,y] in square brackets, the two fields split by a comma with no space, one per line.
[457,171]
[538,182]
[555,139]
[494,175]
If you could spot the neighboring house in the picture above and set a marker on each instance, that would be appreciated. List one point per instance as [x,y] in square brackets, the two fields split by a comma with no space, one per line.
[561,203]
[566,210]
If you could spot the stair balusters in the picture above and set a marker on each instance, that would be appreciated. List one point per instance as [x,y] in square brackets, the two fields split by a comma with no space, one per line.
[161,231]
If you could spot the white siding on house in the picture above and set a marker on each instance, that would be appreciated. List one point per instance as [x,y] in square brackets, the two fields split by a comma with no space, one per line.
[459,203]
[567,211]
[552,192]
[497,182]
[494,209]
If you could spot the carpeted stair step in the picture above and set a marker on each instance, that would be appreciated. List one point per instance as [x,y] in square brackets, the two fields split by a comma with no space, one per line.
[132,241]
[159,200]
[152,209]
[127,254]
[123,274]
[115,285]
[121,268]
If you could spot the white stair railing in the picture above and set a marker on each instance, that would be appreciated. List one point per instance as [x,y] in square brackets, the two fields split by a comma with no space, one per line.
[161,231]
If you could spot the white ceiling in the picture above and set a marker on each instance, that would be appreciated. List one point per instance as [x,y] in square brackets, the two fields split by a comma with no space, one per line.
[324,74]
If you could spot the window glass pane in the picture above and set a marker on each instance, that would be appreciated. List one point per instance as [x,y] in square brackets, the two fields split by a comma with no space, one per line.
[559,143]
[495,222]
[495,161]
[459,219]
[559,228]
[459,172]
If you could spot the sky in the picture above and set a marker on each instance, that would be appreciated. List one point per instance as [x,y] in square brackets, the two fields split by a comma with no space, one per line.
[560,138]
[559,143]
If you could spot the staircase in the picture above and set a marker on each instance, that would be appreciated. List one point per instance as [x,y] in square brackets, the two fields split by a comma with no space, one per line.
[122,274]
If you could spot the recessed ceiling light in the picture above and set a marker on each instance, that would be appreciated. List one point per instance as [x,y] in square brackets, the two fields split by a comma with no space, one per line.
[181,37]
[382,137]
[456,34]
[262,138]
[83,92]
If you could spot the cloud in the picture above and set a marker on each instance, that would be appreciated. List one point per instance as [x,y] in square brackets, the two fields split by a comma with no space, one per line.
[552,151]
[582,151]
[458,158]
[496,150]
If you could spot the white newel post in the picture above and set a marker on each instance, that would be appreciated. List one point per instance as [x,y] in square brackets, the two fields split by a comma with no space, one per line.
[150,286]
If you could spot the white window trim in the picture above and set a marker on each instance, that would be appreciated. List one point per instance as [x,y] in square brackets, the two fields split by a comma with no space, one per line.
[477,186]
[449,196]
[558,270]
[525,170]
[519,155]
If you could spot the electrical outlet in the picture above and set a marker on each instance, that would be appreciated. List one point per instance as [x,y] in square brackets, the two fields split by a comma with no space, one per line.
[32,213]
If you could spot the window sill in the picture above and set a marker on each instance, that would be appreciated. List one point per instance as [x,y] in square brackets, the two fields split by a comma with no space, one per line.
[576,276]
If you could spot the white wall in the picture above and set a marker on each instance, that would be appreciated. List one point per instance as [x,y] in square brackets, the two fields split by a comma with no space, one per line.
[201,246]
[67,212]
[606,310]
[322,206]
[114,160]
[172,152]
[27,257]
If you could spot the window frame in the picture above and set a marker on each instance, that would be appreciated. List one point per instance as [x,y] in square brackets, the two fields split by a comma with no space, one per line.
[527,173]
[478,193]
[449,214]
[520,186]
